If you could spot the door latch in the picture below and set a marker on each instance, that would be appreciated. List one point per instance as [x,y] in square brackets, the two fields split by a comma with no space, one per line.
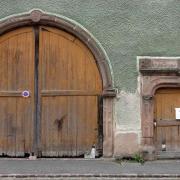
[155,124]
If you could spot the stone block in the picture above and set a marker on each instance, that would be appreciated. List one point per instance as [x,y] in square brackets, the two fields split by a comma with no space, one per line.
[125,144]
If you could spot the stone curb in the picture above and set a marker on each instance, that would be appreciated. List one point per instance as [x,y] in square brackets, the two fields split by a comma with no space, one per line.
[90,175]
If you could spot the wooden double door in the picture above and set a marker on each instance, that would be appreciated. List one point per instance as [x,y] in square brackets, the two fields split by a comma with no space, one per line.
[61,115]
[167,128]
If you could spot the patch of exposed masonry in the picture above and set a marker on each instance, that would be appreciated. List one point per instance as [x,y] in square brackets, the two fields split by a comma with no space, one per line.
[127,113]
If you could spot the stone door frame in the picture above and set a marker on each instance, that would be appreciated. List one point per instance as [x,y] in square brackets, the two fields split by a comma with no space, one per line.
[38,17]
[155,73]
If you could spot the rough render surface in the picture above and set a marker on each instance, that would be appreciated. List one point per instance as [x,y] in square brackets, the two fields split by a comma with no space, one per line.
[126,29]
[127,112]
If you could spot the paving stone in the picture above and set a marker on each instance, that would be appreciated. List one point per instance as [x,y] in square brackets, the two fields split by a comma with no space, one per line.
[87,169]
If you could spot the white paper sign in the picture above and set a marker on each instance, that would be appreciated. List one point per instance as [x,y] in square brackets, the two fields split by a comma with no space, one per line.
[177,113]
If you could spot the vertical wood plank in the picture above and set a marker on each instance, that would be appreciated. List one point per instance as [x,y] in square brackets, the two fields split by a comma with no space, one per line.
[12,102]
[3,101]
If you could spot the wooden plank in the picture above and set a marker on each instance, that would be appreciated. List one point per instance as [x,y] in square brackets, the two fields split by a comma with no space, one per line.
[168,123]
[63,131]
[43,74]
[3,101]
[77,66]
[59,104]
[69,93]
[159,138]
[14,33]
[168,91]
[175,138]
[20,103]
[12,102]
[168,138]
[62,64]
[58,32]
[44,127]
[11,127]
[11,94]
[92,119]
[3,127]
[82,125]
[3,65]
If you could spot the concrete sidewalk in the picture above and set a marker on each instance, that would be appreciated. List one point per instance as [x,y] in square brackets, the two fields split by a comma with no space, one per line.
[87,169]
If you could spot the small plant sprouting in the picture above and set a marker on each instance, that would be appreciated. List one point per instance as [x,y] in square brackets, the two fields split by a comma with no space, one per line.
[133,158]
[138,158]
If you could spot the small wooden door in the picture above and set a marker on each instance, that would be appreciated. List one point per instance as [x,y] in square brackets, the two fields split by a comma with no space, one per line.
[16,75]
[167,130]
[61,116]
[70,85]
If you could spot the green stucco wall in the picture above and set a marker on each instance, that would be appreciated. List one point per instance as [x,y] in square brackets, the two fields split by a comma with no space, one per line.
[125,28]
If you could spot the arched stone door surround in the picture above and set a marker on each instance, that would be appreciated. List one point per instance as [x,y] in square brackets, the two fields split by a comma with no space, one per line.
[37,17]
[155,73]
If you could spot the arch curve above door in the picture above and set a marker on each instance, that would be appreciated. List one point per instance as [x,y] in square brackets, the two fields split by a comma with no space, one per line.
[38,17]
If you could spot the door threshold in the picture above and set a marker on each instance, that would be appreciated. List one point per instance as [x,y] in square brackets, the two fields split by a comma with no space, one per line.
[53,158]
[168,155]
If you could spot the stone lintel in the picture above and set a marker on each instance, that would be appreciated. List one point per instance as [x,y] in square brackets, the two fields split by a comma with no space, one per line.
[152,65]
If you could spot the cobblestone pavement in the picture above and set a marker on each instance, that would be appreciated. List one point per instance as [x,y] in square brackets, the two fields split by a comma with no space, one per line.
[87,169]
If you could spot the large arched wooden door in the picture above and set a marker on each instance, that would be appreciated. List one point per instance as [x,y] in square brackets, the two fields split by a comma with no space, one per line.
[70,85]
[61,115]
